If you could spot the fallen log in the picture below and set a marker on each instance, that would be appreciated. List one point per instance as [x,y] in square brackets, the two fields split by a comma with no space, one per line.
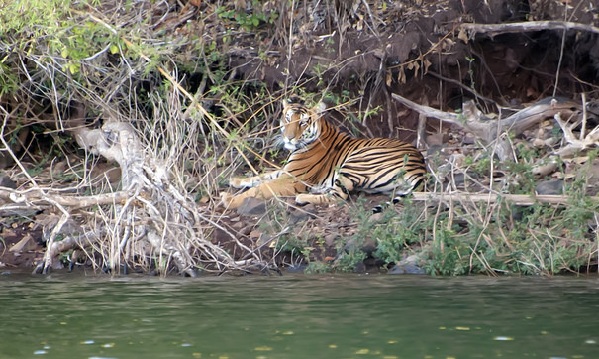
[517,199]
[528,26]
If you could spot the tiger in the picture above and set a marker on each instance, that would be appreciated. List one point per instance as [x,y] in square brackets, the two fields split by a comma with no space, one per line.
[326,164]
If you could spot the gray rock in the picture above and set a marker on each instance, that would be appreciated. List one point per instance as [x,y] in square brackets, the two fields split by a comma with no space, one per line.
[5,181]
[408,265]
[252,207]
[554,186]
[406,268]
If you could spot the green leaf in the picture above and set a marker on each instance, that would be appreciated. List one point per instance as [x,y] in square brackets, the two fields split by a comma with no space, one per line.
[114,49]
[74,67]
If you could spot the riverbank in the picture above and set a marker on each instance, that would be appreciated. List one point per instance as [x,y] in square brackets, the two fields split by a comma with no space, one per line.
[119,134]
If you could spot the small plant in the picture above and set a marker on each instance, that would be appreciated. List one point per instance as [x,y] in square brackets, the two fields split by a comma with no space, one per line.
[292,243]
[398,232]
[448,252]
[391,232]
[479,165]
[471,63]
[317,267]
[249,20]
[349,259]
[9,81]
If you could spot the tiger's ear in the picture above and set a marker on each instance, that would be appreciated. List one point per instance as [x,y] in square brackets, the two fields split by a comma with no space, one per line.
[293,99]
[320,107]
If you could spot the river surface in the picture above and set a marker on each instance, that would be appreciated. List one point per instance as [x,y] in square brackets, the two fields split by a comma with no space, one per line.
[296,316]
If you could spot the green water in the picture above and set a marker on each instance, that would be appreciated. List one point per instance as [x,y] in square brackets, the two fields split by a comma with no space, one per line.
[67,316]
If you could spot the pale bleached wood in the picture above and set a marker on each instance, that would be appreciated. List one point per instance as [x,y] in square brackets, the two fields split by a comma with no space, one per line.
[517,199]
[36,198]
[489,131]
[528,26]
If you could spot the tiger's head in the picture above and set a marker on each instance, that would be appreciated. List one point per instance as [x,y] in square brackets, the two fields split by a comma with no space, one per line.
[300,125]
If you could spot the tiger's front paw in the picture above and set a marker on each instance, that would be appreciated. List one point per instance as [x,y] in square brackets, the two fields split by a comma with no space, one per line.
[303,198]
[231,201]
[239,182]
[226,199]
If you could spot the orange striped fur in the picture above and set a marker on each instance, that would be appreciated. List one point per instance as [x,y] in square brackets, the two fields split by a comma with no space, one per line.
[326,164]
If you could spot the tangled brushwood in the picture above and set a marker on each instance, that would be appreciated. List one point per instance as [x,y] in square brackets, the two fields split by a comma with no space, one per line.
[106,96]
[121,123]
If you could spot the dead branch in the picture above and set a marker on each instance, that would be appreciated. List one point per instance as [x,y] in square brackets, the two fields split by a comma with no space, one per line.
[537,112]
[449,117]
[489,131]
[517,27]
[150,205]
[473,120]
[149,209]
[75,241]
[44,198]
[575,145]
[517,199]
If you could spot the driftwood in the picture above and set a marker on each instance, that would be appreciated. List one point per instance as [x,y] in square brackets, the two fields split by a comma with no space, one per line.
[22,199]
[490,132]
[519,27]
[517,199]
[577,144]
[148,217]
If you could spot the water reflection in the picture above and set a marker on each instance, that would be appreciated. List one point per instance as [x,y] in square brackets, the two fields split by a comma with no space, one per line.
[298,317]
